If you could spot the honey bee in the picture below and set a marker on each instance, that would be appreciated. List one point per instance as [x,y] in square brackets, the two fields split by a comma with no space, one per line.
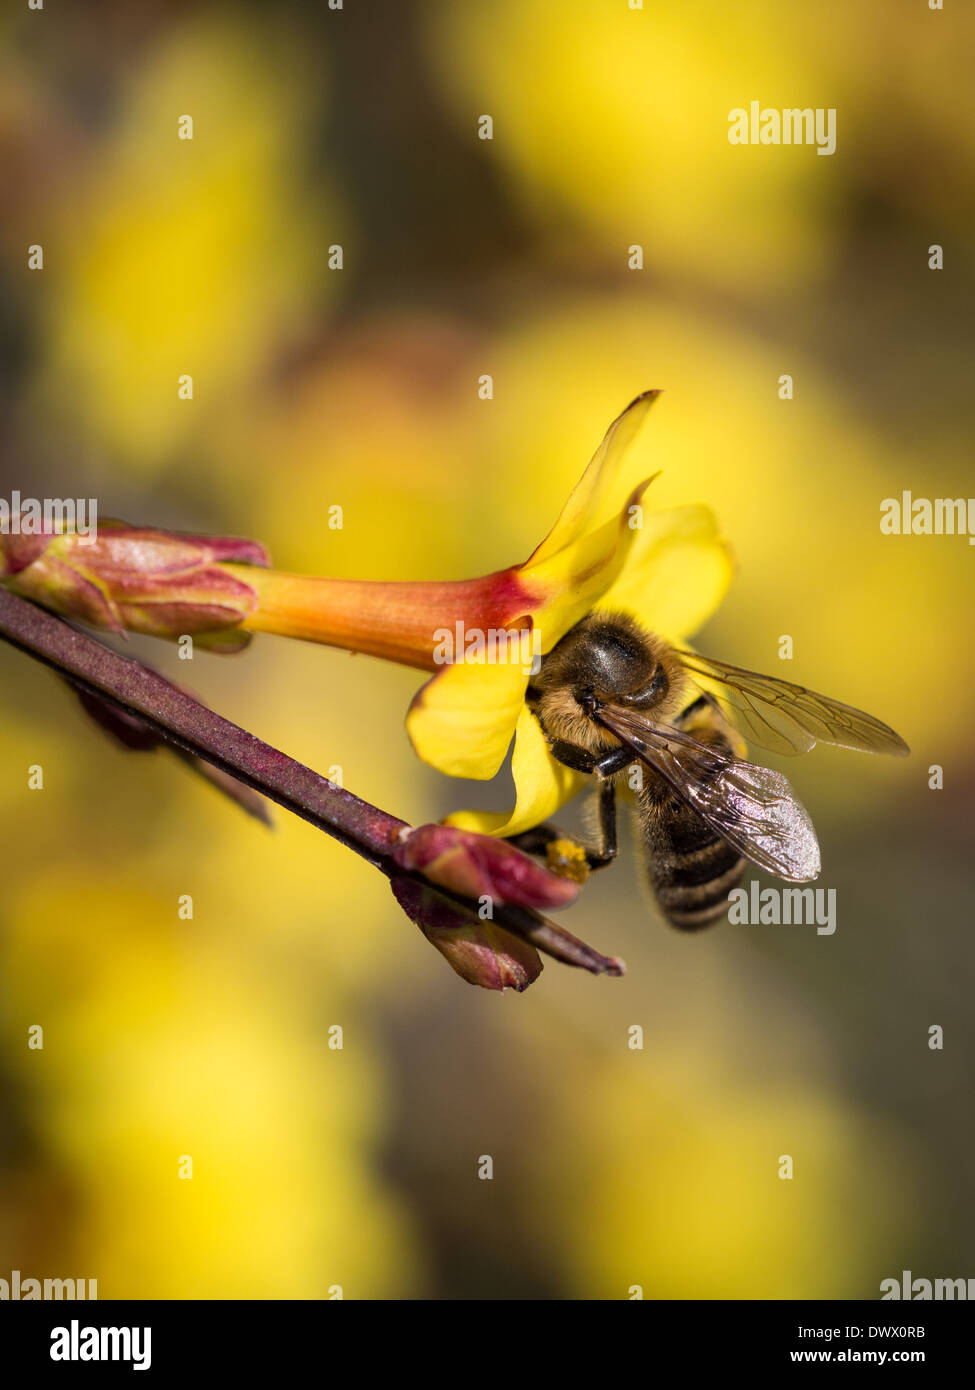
[611,696]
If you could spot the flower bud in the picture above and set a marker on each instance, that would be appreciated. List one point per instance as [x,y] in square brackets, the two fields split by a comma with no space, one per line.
[162,583]
[479,951]
[479,866]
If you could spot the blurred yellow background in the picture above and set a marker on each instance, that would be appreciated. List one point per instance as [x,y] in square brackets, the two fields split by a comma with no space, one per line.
[314,1166]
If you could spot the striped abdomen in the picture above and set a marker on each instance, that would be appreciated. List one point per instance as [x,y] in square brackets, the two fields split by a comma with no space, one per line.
[690,867]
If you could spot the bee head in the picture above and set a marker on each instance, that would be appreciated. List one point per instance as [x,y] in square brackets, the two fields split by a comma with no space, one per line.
[605,658]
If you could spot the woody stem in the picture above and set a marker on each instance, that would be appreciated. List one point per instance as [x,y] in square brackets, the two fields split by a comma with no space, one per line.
[188,724]
[191,726]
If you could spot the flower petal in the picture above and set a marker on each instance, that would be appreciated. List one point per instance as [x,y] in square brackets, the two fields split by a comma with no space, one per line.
[461,722]
[542,785]
[676,573]
[595,499]
[575,579]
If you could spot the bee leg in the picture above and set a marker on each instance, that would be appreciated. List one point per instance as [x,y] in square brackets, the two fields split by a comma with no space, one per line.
[579,759]
[608,764]
[565,854]
[536,840]
[606,853]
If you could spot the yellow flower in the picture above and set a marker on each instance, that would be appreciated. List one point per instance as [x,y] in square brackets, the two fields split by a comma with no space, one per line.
[668,569]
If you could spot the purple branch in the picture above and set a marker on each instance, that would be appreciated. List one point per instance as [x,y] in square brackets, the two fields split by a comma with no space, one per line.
[197,731]
[191,726]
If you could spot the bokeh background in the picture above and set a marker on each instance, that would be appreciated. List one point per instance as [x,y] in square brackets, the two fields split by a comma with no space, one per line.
[317,1167]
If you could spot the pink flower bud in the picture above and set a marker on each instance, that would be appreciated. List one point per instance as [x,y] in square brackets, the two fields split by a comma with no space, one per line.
[162,583]
[480,866]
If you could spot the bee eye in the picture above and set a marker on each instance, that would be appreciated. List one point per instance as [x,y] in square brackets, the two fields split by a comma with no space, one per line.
[651,693]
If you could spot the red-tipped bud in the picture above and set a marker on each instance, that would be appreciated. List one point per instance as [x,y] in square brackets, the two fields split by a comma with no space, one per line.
[481,867]
[162,583]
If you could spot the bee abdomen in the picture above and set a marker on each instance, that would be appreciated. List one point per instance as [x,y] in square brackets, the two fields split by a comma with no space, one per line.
[691,868]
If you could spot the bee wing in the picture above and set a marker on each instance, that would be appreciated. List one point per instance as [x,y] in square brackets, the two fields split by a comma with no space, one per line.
[753,808]
[787,718]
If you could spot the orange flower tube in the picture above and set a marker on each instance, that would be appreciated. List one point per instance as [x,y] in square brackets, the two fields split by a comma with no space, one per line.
[397,621]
